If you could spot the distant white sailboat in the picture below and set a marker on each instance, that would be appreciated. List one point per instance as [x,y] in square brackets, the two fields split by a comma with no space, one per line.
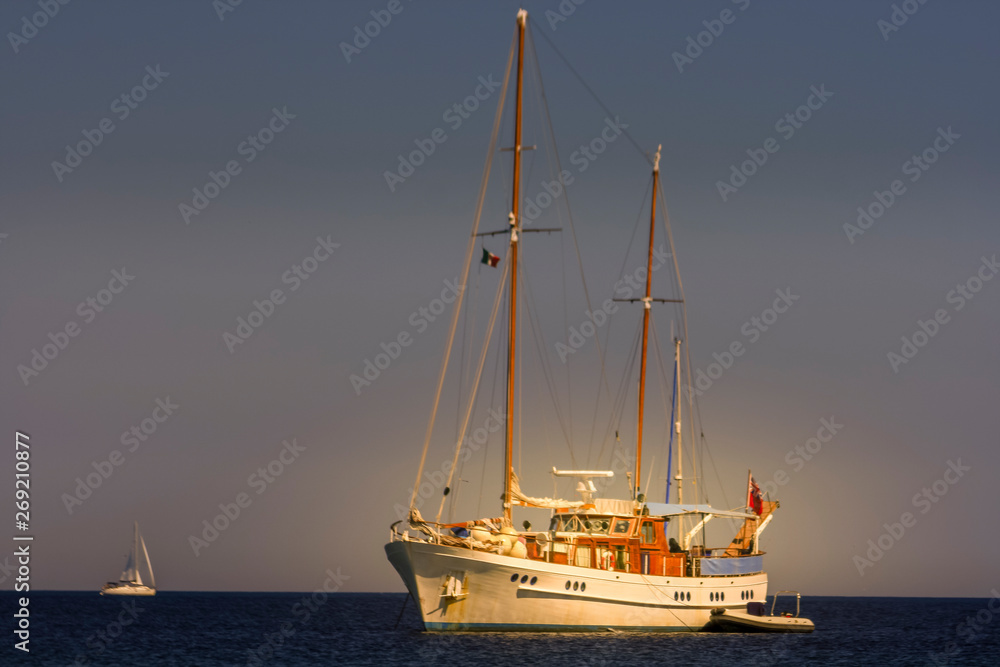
[131,580]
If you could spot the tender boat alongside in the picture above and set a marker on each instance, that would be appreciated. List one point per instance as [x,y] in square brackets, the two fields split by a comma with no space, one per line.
[755,620]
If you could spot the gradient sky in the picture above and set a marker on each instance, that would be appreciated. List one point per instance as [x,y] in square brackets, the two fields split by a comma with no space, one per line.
[323,176]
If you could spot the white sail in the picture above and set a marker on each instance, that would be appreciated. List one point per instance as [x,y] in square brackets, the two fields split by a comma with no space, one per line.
[131,571]
[149,566]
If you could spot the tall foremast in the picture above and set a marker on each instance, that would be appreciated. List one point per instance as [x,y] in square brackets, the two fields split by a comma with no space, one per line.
[515,228]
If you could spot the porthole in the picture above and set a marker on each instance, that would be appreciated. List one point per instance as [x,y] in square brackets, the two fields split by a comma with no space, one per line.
[524,579]
[723,594]
[513,577]
[689,596]
[576,585]
[583,587]
[751,595]
[534,580]
[743,595]
[567,585]
[675,596]
[711,597]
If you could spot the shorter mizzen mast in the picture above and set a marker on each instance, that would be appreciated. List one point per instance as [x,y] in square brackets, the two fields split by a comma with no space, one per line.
[647,303]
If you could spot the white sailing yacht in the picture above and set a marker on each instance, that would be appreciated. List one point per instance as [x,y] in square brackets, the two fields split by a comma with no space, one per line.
[131,580]
[620,564]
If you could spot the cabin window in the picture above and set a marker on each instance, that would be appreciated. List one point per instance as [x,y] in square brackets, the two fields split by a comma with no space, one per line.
[645,562]
[605,559]
[583,556]
[648,533]
[621,526]
[621,558]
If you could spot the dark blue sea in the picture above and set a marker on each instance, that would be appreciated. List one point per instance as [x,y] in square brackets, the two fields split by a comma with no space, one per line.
[207,629]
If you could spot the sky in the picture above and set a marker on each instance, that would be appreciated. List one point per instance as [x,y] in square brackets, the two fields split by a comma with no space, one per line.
[200,247]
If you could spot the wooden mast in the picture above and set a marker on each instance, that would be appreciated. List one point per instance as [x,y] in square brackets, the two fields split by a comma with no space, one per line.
[515,227]
[647,303]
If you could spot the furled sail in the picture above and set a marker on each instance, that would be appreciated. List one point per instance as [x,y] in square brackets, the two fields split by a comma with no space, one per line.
[528,501]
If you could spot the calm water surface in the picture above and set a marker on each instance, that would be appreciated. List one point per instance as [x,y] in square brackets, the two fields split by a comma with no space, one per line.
[359,629]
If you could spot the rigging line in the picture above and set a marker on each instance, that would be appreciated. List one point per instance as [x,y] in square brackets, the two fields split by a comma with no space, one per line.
[569,210]
[476,397]
[535,325]
[593,94]
[474,388]
[621,397]
[462,379]
[607,335]
[565,304]
[663,390]
[694,409]
[493,394]
[527,306]
[465,270]
[552,153]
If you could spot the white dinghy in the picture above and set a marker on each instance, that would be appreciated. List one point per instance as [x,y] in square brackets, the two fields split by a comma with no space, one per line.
[755,620]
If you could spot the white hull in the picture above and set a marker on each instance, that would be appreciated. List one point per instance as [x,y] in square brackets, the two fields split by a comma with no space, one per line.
[128,589]
[597,600]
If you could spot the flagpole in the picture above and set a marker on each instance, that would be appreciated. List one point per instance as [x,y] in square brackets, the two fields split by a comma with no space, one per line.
[749,477]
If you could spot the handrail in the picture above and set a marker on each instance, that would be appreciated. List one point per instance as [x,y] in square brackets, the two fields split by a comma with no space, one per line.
[798,601]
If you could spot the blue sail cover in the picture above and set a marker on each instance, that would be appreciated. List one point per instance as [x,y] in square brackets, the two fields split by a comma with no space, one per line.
[725,566]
